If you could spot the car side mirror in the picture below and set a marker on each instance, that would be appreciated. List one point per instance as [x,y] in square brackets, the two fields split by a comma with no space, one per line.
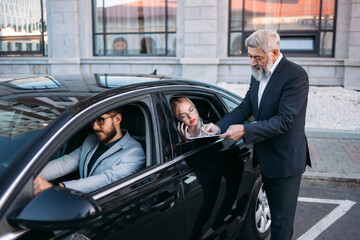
[57,208]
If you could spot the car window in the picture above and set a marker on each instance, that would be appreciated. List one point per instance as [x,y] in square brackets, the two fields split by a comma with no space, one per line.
[205,107]
[116,162]
[230,103]
[21,121]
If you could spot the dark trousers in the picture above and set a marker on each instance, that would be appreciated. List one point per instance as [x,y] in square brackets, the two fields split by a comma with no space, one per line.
[282,194]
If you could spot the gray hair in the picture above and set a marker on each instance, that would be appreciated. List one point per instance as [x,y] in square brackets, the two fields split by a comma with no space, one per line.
[264,39]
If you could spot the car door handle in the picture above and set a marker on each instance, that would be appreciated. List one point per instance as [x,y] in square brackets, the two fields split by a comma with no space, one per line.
[164,204]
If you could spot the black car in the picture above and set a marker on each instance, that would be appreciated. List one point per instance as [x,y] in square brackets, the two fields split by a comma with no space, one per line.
[207,188]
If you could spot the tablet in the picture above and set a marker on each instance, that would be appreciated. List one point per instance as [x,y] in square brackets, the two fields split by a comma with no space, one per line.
[207,137]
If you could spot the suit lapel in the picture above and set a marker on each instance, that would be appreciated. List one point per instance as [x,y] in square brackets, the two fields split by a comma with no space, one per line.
[254,96]
[114,149]
[87,160]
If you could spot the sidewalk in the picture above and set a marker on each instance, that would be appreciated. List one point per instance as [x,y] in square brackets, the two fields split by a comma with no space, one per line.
[335,157]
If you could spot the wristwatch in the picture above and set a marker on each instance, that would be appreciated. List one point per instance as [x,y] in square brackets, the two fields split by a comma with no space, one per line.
[54,184]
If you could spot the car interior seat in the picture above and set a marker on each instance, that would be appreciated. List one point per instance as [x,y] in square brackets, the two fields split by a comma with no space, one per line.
[205,110]
[133,121]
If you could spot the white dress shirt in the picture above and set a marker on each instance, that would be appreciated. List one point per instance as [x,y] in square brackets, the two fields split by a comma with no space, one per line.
[264,82]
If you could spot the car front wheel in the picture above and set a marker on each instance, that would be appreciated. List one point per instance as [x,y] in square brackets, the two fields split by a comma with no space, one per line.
[258,218]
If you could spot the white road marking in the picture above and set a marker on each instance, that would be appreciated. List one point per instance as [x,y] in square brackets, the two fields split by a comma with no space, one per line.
[338,212]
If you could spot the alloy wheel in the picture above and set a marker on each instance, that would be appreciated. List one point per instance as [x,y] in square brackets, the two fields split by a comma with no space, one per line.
[262,211]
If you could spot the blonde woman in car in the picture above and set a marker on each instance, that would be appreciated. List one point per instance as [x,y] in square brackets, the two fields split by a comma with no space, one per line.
[190,124]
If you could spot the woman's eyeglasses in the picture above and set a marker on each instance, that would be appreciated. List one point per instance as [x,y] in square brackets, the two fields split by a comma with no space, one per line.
[183,116]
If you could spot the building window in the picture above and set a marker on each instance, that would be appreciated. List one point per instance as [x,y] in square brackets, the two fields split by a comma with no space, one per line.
[306,27]
[22,25]
[134,27]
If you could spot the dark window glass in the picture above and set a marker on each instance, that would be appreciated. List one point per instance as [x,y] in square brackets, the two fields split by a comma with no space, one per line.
[328,15]
[236,43]
[22,120]
[231,104]
[126,28]
[23,24]
[28,47]
[305,26]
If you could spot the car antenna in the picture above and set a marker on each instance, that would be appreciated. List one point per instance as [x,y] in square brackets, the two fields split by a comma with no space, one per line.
[154,72]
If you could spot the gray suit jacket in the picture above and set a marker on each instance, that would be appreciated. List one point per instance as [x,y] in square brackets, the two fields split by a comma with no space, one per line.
[121,160]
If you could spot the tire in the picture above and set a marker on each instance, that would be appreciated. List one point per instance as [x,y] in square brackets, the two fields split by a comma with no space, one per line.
[258,218]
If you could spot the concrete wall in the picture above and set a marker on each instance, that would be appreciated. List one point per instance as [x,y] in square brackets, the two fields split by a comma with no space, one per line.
[352,62]
[201,54]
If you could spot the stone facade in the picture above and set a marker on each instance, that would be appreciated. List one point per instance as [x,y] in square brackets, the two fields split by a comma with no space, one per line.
[201,54]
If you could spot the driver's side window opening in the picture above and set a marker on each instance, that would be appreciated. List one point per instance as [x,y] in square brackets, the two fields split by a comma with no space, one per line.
[88,161]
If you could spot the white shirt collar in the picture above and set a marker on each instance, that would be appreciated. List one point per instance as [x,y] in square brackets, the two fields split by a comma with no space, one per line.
[275,64]
[264,82]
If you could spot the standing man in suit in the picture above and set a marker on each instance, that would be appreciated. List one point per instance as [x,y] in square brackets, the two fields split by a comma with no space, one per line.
[277,98]
[105,157]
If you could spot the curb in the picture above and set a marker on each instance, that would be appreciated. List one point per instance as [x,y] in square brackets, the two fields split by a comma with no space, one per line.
[331,180]
[332,133]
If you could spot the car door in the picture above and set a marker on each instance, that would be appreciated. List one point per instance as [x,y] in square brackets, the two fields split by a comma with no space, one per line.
[145,205]
[212,174]
[150,204]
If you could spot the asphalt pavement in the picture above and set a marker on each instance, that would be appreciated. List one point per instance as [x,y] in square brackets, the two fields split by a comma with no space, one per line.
[335,157]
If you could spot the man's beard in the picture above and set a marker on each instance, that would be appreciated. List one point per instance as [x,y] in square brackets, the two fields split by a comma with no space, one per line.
[108,135]
[260,73]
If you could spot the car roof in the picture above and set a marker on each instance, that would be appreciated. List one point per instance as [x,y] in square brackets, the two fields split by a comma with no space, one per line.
[88,84]
[77,92]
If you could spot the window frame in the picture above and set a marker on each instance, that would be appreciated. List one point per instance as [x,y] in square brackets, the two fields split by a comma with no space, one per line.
[315,34]
[143,103]
[123,35]
[210,99]
[41,38]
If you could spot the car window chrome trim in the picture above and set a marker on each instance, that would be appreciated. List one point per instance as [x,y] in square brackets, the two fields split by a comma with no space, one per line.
[42,149]
[14,235]
[159,168]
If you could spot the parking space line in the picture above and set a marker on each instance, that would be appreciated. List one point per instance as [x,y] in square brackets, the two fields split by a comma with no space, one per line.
[333,216]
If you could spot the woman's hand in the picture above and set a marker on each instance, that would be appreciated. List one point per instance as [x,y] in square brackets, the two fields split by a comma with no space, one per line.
[183,131]
[211,129]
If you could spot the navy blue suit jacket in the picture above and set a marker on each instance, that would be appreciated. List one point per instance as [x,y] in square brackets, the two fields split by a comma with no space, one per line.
[278,133]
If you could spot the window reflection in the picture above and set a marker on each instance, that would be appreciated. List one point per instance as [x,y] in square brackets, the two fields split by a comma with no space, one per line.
[147,45]
[297,43]
[312,18]
[34,83]
[113,81]
[282,14]
[327,17]
[326,43]
[22,120]
[22,27]
[236,44]
[143,26]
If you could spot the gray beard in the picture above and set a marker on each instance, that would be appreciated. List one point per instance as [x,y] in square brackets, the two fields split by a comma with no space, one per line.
[260,73]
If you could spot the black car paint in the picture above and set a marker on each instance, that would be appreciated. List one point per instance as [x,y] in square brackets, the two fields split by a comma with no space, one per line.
[160,203]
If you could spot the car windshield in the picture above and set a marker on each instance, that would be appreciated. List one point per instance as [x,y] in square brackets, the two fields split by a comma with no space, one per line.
[22,120]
